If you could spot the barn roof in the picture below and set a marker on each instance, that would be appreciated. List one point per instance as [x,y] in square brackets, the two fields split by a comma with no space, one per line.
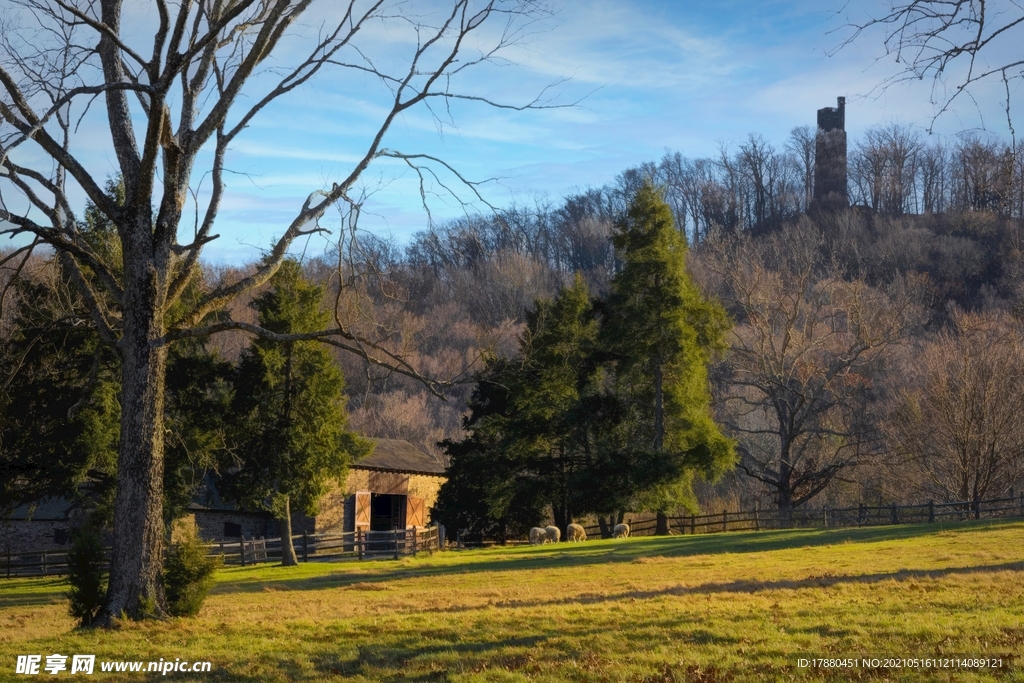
[45,510]
[395,455]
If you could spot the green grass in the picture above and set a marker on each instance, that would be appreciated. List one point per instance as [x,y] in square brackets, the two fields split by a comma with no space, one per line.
[724,607]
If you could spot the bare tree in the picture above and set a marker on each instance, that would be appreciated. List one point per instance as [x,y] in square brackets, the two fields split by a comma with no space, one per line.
[884,169]
[957,423]
[959,44]
[798,379]
[171,92]
[801,144]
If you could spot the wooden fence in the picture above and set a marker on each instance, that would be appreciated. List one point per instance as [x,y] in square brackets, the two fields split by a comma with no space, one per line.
[358,545]
[825,517]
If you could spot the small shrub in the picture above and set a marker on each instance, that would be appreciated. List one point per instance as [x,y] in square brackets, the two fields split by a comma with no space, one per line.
[188,573]
[87,575]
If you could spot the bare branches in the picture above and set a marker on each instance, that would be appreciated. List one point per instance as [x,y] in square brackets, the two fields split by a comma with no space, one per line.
[341,338]
[947,41]
[210,51]
[804,354]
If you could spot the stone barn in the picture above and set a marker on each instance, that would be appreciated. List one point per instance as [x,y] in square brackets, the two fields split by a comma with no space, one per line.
[43,526]
[393,488]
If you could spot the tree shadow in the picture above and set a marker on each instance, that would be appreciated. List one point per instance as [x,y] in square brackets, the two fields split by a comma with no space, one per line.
[23,592]
[401,656]
[743,586]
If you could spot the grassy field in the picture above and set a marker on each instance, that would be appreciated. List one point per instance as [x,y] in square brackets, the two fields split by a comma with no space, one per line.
[725,607]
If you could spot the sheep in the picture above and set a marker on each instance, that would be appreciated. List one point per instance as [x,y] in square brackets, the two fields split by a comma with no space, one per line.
[553,533]
[621,531]
[575,532]
[538,535]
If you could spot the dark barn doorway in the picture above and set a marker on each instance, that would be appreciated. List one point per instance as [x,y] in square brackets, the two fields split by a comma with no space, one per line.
[387,512]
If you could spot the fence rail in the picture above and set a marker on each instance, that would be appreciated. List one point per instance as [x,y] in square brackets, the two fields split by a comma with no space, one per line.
[356,545]
[825,517]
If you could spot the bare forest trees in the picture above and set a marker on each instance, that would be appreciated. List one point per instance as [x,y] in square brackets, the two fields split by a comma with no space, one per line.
[885,169]
[956,431]
[798,386]
[170,84]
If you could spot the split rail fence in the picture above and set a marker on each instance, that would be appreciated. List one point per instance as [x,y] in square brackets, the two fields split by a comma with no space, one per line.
[825,517]
[356,545]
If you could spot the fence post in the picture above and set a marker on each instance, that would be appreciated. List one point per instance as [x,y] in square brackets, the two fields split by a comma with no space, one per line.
[414,548]
[895,514]
[693,524]
[757,523]
[394,533]
[241,548]
[977,506]
[359,543]
[305,546]
[824,515]
[931,511]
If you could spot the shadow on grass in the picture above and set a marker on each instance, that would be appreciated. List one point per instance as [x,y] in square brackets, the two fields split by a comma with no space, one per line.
[32,592]
[373,660]
[742,586]
[601,552]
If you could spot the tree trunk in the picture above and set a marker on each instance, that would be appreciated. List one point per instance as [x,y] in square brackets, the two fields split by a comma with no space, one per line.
[136,559]
[288,558]
[659,408]
[661,527]
[785,495]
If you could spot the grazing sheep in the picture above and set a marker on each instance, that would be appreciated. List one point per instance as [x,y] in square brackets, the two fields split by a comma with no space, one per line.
[553,533]
[538,535]
[621,531]
[575,532]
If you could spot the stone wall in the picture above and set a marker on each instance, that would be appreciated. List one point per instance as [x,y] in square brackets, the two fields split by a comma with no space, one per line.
[337,507]
[211,524]
[29,536]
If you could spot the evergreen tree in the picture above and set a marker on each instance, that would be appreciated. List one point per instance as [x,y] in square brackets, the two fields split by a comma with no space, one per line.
[526,450]
[58,400]
[60,408]
[661,333]
[291,421]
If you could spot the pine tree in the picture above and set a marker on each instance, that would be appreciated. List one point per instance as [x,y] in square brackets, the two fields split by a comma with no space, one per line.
[662,332]
[291,429]
[60,408]
[524,452]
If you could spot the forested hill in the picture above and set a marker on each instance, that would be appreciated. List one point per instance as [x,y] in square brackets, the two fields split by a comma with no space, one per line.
[469,282]
[925,268]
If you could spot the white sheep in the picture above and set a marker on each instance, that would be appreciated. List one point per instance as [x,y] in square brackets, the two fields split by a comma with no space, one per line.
[553,534]
[575,532]
[621,531]
[538,535]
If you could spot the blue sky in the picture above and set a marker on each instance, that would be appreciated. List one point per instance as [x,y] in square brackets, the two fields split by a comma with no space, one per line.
[649,75]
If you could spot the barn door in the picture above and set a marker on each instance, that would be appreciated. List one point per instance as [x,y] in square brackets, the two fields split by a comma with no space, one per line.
[362,510]
[415,512]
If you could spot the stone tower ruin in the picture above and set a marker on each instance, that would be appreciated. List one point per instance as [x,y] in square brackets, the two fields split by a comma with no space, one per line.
[830,157]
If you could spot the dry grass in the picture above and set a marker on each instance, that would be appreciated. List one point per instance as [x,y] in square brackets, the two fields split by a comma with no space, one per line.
[733,607]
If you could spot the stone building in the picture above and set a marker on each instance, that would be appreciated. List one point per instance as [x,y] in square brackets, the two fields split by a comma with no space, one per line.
[394,487]
[830,190]
[40,527]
